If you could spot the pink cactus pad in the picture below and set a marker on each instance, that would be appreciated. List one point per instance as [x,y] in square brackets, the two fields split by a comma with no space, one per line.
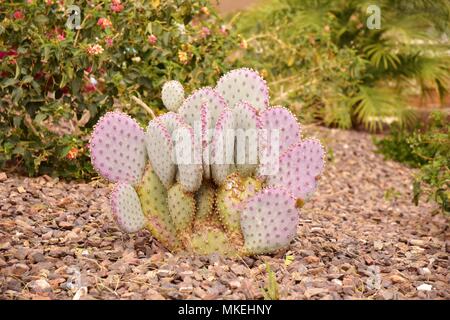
[247,127]
[206,134]
[299,168]
[126,208]
[281,119]
[244,85]
[160,151]
[280,131]
[269,220]
[190,110]
[222,147]
[187,153]
[118,149]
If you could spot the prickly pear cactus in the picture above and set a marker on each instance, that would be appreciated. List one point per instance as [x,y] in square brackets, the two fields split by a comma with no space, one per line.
[221,172]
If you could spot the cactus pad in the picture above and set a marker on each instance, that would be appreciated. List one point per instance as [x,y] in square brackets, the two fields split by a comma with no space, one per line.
[204,199]
[247,126]
[187,153]
[300,168]
[117,148]
[244,85]
[230,197]
[181,208]
[269,221]
[160,151]
[212,241]
[222,147]
[282,120]
[190,109]
[153,197]
[172,95]
[126,208]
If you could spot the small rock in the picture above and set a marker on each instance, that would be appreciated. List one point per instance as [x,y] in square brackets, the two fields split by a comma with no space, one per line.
[38,257]
[5,245]
[387,294]
[312,259]
[21,189]
[39,286]
[14,285]
[311,292]
[238,269]
[397,279]
[424,271]
[19,269]
[297,276]
[235,284]
[186,289]
[152,294]
[163,273]
[80,294]
[417,242]
[378,245]
[186,273]
[3,177]
[337,282]
[425,287]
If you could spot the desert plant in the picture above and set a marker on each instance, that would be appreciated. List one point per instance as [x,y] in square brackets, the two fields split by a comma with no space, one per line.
[427,148]
[328,62]
[271,289]
[56,82]
[195,191]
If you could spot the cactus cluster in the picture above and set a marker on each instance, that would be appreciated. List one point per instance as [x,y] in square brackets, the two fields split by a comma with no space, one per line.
[195,184]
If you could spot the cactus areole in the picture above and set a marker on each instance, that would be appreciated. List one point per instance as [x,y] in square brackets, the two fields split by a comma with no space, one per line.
[222,171]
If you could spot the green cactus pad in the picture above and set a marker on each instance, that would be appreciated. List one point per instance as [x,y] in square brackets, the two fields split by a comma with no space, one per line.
[181,208]
[153,196]
[230,196]
[211,241]
[204,198]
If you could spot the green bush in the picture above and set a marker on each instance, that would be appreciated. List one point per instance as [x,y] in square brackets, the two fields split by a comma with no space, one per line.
[321,58]
[57,82]
[427,148]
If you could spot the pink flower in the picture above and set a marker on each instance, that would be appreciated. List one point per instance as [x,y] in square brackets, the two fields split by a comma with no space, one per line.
[104,23]
[205,32]
[116,6]
[223,30]
[152,39]
[109,41]
[49,2]
[95,49]
[243,44]
[72,154]
[183,57]
[61,37]
[89,87]
[18,15]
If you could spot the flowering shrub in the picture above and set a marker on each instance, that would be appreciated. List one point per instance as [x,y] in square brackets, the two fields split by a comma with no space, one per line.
[56,82]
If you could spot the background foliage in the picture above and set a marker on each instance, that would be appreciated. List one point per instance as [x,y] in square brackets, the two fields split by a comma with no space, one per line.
[320,57]
[427,148]
[56,83]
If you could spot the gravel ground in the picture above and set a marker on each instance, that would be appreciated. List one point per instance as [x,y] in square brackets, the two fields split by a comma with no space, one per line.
[359,238]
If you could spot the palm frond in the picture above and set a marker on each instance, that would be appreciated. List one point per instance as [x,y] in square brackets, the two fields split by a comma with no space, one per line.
[375,106]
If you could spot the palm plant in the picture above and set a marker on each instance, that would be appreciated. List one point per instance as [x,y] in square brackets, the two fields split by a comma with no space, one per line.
[320,56]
